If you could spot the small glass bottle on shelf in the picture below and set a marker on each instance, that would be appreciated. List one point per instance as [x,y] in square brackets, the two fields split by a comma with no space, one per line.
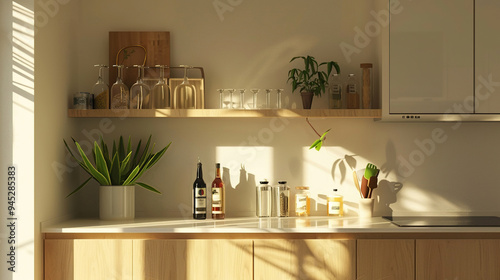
[353,98]
[302,202]
[335,204]
[139,92]
[161,91]
[101,91]
[366,85]
[335,92]
[120,93]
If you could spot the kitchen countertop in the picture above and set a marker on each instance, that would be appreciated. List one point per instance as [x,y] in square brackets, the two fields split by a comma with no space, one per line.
[251,225]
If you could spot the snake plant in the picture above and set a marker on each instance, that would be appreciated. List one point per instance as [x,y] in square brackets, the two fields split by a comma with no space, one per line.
[121,167]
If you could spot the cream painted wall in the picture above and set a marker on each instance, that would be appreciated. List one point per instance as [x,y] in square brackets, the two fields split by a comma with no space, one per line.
[56,75]
[443,168]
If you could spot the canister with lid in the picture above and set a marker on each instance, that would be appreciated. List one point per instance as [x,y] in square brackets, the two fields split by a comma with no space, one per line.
[302,201]
[263,199]
[281,200]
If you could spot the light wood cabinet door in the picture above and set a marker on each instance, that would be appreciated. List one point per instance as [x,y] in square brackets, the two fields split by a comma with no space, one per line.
[74,259]
[388,259]
[458,259]
[304,259]
[193,259]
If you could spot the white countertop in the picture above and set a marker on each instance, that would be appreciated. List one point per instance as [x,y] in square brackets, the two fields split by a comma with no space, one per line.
[251,225]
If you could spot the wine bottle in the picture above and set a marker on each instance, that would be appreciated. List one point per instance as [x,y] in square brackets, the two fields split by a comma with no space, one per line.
[218,195]
[199,195]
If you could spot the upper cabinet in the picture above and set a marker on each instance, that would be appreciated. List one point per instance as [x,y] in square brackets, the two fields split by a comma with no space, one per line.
[487,55]
[431,56]
[443,60]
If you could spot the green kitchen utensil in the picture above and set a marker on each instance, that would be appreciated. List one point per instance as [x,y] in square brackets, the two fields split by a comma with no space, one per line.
[371,170]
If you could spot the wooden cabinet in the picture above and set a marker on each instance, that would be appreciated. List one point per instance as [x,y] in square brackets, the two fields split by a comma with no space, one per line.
[193,259]
[431,56]
[76,259]
[304,259]
[458,259]
[386,259]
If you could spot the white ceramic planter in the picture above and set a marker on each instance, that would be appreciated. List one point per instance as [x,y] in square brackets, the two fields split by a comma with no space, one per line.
[116,203]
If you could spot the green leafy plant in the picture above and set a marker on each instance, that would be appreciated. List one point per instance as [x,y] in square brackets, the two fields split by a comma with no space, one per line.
[121,167]
[311,79]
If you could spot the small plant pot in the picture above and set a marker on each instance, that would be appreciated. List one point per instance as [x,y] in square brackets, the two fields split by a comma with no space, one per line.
[117,203]
[307,98]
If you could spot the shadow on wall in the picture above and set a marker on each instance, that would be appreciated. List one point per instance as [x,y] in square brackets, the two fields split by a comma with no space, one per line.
[386,192]
[242,194]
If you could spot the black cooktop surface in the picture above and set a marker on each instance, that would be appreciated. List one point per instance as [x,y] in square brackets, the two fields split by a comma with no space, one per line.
[445,221]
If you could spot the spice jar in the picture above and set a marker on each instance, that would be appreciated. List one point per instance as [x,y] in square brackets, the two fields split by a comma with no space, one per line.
[263,201]
[302,201]
[281,200]
[335,204]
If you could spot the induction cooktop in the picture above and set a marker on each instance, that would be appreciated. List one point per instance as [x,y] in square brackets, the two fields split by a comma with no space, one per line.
[445,221]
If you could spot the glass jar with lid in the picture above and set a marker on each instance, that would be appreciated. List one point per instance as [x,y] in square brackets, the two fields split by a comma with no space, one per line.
[335,205]
[302,201]
[281,200]
[263,199]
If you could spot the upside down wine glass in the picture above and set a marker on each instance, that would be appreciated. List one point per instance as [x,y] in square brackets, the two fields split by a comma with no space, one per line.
[185,93]
[161,91]
[139,92]
[120,93]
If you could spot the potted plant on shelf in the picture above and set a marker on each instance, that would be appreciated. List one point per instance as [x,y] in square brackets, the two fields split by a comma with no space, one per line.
[311,81]
[117,174]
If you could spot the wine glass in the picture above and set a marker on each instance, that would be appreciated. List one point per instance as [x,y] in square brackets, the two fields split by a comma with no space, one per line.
[185,93]
[221,98]
[139,92]
[278,96]
[161,91]
[120,93]
[268,98]
[229,99]
[100,91]
[242,98]
[255,91]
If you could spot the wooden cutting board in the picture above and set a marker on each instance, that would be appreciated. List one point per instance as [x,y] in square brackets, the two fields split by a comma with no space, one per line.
[138,48]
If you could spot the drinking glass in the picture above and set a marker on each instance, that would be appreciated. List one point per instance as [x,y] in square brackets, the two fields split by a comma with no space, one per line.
[268,98]
[229,99]
[101,91]
[278,96]
[185,93]
[255,91]
[120,93]
[161,91]
[242,98]
[221,98]
[139,92]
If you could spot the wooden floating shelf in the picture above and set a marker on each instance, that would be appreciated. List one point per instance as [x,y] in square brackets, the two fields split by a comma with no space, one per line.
[225,113]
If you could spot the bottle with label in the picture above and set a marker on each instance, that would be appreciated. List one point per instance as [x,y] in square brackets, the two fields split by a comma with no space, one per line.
[199,195]
[353,99]
[302,202]
[218,195]
[335,97]
[335,206]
